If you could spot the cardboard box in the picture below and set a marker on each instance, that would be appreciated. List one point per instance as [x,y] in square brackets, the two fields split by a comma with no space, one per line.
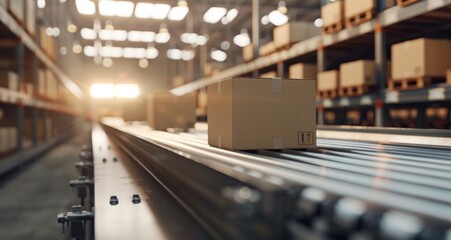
[178,81]
[30,16]
[17,9]
[328,80]
[293,32]
[421,58]
[134,109]
[41,82]
[448,76]
[354,8]
[333,13]
[8,138]
[272,74]
[165,110]
[358,73]
[267,49]
[248,53]
[303,71]
[249,113]
[9,80]
[389,3]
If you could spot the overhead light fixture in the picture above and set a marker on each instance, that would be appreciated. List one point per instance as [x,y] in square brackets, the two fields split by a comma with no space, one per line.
[179,12]
[318,22]
[218,55]
[126,91]
[230,16]
[116,8]
[214,14]
[77,48]
[85,7]
[138,36]
[174,54]
[265,20]
[277,18]
[72,28]
[143,10]
[187,55]
[102,90]
[225,45]
[90,51]
[113,35]
[41,4]
[111,52]
[160,11]
[242,39]
[109,25]
[143,63]
[107,62]
[88,34]
[163,35]
[202,40]
[151,52]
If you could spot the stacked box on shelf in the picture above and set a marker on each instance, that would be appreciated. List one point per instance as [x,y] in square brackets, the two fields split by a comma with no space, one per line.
[8,139]
[17,10]
[286,35]
[267,49]
[30,16]
[448,76]
[248,53]
[328,82]
[420,62]
[333,17]
[359,11]
[357,77]
[41,88]
[303,71]
[272,74]
[9,80]
[403,3]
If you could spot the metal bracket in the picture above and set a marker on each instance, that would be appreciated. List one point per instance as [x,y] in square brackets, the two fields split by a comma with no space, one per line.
[82,185]
[75,221]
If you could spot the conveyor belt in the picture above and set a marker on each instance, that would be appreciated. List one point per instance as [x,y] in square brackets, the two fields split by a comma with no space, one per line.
[343,189]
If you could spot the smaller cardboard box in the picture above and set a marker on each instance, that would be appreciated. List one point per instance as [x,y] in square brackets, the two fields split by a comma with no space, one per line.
[293,32]
[355,7]
[358,73]
[165,110]
[248,53]
[9,80]
[255,113]
[134,109]
[328,80]
[448,76]
[271,74]
[302,71]
[267,49]
[333,13]
[422,57]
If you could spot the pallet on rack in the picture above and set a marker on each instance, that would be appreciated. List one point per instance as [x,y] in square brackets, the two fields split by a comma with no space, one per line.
[413,83]
[403,3]
[333,28]
[327,94]
[359,18]
[353,91]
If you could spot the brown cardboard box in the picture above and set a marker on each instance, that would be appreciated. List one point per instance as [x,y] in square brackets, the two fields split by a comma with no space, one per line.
[303,71]
[333,13]
[421,57]
[358,73]
[30,16]
[17,8]
[356,7]
[269,75]
[165,110]
[267,49]
[248,53]
[208,69]
[328,80]
[293,32]
[9,80]
[41,82]
[249,113]
[448,76]
[134,109]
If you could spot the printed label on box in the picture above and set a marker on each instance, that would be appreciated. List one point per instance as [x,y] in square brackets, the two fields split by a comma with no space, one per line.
[305,138]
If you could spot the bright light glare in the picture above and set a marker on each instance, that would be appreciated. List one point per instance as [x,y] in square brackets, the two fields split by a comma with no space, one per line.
[277,18]
[143,63]
[152,53]
[116,8]
[126,91]
[90,51]
[214,14]
[85,7]
[113,35]
[265,20]
[231,15]
[143,10]
[162,37]
[88,34]
[242,39]
[174,54]
[41,4]
[102,90]
[218,55]
[138,36]
[178,13]
[154,11]
[318,22]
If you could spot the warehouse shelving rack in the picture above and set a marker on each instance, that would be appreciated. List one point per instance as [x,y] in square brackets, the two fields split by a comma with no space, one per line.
[23,110]
[370,40]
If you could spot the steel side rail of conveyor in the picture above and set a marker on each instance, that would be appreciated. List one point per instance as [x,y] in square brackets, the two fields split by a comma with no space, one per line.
[345,188]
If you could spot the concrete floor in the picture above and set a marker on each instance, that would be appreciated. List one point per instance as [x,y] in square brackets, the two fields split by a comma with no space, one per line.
[31,197]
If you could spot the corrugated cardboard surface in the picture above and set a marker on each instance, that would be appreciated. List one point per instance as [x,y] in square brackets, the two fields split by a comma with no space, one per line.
[332,13]
[267,49]
[9,80]
[248,53]
[358,73]
[303,71]
[165,110]
[293,32]
[421,57]
[269,75]
[247,113]
[328,80]
[356,7]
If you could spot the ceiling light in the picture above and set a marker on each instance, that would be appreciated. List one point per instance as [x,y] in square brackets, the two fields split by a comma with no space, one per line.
[187,55]
[138,36]
[152,53]
[102,90]
[113,35]
[107,62]
[56,31]
[90,51]
[231,15]
[282,7]
[277,18]
[129,52]
[179,12]
[202,40]
[163,35]
[174,54]
[126,90]
[318,22]
[109,25]
[107,8]
[88,34]
[218,55]
[110,51]
[265,20]
[214,14]
[41,4]
[63,51]
[77,48]
[225,45]
[242,39]
[160,11]
[71,28]
[116,8]
[85,7]
[143,10]
[143,63]
[124,9]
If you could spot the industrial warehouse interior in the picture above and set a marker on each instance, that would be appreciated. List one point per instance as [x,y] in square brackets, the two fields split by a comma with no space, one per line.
[225,119]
